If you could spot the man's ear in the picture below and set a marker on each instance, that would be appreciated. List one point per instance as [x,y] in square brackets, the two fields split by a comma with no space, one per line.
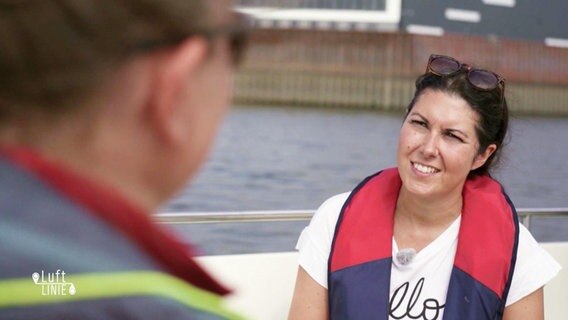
[173,72]
[481,158]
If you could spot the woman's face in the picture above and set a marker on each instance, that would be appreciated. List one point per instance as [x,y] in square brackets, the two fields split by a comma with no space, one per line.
[438,145]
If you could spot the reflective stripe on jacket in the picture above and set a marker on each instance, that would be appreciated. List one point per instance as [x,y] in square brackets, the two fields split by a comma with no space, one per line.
[153,286]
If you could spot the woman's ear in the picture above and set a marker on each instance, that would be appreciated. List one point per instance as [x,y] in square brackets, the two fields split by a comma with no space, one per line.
[173,71]
[481,158]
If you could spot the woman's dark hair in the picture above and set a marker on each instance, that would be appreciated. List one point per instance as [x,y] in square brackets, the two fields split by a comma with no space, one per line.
[490,106]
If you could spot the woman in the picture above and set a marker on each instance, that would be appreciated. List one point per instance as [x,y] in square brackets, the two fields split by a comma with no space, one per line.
[437,237]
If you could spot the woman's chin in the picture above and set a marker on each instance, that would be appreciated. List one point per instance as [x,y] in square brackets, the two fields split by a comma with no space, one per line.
[420,190]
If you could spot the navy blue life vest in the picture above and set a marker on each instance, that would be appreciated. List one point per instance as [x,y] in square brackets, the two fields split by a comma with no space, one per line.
[361,254]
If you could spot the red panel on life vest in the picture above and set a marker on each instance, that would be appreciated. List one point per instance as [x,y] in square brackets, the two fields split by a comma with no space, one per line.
[487,234]
[360,239]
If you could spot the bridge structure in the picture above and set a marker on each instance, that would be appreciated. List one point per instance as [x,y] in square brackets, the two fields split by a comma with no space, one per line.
[366,53]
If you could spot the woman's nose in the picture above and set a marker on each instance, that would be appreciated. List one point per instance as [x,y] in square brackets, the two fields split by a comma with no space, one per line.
[430,145]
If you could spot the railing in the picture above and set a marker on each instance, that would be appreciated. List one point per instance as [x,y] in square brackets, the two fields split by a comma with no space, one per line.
[525,215]
[234,216]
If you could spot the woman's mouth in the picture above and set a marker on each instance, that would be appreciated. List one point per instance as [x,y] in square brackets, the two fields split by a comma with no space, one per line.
[424,169]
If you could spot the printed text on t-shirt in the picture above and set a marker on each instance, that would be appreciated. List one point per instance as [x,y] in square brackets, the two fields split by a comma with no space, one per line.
[402,307]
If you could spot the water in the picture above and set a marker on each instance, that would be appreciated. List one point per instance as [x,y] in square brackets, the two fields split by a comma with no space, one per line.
[294,158]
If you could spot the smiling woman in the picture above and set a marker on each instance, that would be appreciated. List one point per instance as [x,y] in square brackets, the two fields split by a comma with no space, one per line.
[438,146]
[460,252]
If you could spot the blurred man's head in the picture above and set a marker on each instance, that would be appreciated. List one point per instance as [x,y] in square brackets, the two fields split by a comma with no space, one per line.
[126,91]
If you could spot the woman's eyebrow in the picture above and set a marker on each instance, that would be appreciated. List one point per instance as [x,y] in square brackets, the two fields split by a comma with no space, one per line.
[451,130]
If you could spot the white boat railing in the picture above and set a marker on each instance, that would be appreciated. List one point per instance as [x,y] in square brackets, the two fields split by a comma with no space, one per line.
[526,216]
[234,216]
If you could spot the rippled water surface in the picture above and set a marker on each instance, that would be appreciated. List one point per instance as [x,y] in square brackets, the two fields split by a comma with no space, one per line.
[294,158]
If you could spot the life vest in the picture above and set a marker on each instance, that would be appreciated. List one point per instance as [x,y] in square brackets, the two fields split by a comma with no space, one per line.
[361,254]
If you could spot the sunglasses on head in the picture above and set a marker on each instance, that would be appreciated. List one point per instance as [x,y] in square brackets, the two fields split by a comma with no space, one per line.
[480,79]
[237,33]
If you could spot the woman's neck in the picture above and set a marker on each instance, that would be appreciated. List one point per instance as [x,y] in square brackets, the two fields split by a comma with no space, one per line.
[418,221]
[428,211]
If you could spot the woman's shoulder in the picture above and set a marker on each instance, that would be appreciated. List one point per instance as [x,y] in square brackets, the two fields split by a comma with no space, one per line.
[529,248]
[328,212]
[534,267]
[531,253]
[335,201]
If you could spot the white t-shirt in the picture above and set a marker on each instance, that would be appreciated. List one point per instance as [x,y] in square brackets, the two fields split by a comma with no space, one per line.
[428,273]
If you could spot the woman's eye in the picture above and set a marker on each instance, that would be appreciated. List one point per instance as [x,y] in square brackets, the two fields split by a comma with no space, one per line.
[453,136]
[418,122]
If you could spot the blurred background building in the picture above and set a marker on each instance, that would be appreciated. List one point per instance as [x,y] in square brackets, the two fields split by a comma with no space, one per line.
[367,53]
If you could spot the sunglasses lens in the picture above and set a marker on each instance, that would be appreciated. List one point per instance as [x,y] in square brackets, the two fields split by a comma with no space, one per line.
[444,66]
[239,37]
[483,79]
[238,46]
